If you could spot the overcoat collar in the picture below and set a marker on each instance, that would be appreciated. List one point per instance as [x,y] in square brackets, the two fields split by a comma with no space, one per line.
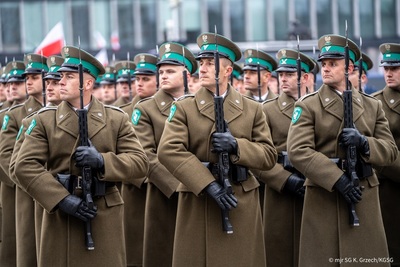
[332,102]
[286,104]
[67,118]
[163,102]
[233,104]
[392,99]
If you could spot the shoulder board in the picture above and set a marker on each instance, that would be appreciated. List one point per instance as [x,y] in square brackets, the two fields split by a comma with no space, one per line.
[122,106]
[4,110]
[31,114]
[249,97]
[115,108]
[185,96]
[372,95]
[270,100]
[307,95]
[144,99]
[16,106]
[47,109]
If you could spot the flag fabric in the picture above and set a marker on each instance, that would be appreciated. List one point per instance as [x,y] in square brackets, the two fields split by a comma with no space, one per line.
[115,41]
[100,40]
[53,42]
[102,56]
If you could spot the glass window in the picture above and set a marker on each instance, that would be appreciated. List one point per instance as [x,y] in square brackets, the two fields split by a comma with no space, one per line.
[56,12]
[388,15]
[101,20]
[148,22]
[10,25]
[324,17]
[281,19]
[33,24]
[258,20]
[191,21]
[367,19]
[214,15]
[80,23]
[302,28]
[125,23]
[236,9]
[345,9]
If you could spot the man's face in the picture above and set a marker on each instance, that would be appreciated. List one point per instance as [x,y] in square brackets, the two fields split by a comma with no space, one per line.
[123,89]
[332,72]
[171,77]
[53,91]
[3,96]
[34,84]
[108,93]
[273,85]
[146,85]
[392,77]
[207,71]
[194,84]
[250,80]
[69,90]
[288,83]
[17,91]
[353,78]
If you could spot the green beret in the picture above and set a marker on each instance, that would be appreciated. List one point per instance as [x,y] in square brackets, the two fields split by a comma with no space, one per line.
[210,42]
[288,61]
[35,64]
[333,46]
[254,57]
[74,56]
[145,64]
[366,63]
[390,54]
[177,54]
[15,71]
[124,69]
[54,64]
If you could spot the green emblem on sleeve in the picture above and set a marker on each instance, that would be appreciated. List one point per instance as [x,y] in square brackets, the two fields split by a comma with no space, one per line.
[31,126]
[296,114]
[5,122]
[172,112]
[136,116]
[20,131]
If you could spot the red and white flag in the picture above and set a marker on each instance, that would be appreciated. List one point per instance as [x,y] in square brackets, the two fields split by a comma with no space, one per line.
[53,42]
[102,56]
[115,41]
[100,41]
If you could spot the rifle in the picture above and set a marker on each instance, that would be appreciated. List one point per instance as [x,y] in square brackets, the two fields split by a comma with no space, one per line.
[86,170]
[129,79]
[157,74]
[298,61]
[258,77]
[43,82]
[360,68]
[184,73]
[351,150]
[223,158]
[115,78]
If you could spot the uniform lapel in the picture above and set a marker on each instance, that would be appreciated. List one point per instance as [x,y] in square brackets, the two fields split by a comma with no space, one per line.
[163,102]
[96,118]
[233,105]
[358,107]
[67,119]
[286,104]
[205,103]
[392,99]
[331,102]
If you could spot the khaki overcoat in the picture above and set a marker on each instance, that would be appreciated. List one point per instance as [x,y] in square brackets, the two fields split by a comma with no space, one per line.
[282,211]
[184,145]
[24,227]
[161,199]
[389,177]
[52,138]
[326,235]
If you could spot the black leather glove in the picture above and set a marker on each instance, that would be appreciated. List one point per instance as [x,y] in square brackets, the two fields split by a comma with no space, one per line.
[351,193]
[218,193]
[74,206]
[89,156]
[224,142]
[295,185]
[351,136]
